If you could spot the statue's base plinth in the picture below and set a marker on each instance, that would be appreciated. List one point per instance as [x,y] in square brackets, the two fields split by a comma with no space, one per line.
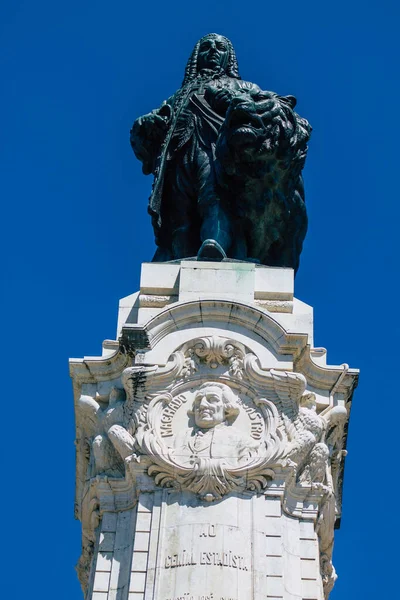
[210,441]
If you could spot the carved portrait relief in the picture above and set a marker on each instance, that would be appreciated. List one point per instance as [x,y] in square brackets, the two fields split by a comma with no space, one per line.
[213,436]
[203,438]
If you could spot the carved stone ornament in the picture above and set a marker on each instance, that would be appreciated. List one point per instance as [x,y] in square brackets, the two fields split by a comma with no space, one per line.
[211,421]
[220,424]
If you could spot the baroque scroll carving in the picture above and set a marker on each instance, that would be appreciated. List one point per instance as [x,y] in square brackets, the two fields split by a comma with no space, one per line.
[212,421]
[257,420]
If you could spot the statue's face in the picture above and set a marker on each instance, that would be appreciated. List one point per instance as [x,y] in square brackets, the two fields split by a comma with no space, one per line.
[209,407]
[213,53]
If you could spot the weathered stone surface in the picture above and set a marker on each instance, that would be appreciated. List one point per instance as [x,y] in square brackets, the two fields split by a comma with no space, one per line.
[210,444]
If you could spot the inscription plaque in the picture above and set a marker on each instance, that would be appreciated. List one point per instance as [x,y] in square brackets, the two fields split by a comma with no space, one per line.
[205,549]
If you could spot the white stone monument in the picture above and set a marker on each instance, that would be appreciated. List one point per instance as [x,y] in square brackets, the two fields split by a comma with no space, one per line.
[210,442]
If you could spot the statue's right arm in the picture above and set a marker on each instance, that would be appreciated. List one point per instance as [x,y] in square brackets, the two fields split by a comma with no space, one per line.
[147,135]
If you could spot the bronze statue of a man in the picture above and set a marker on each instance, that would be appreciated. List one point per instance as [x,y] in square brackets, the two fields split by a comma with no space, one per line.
[227,160]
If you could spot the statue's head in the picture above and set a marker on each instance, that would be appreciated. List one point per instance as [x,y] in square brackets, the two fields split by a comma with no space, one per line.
[213,52]
[214,403]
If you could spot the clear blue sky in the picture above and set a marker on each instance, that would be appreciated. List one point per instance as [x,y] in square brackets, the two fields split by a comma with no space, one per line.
[74,76]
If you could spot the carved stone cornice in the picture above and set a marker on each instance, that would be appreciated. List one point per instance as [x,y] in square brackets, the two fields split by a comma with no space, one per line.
[92,369]
[205,312]
[339,379]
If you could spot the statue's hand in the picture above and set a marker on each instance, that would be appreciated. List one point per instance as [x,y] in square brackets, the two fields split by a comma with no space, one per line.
[219,99]
[160,122]
[154,125]
[165,112]
[161,118]
[151,126]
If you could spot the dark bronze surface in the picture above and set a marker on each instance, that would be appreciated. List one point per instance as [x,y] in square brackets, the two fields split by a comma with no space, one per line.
[227,159]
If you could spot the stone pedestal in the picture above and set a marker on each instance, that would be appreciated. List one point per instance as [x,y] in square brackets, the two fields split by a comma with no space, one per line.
[210,442]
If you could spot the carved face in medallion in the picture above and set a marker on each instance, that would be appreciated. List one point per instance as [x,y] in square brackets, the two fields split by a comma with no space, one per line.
[213,53]
[213,403]
[209,407]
